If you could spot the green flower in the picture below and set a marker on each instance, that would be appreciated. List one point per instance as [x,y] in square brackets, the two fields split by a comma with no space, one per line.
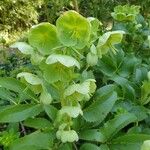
[67,136]
[108,41]
[125,13]
[73,30]
[65,60]
[72,111]
[30,78]
[146,145]
[80,91]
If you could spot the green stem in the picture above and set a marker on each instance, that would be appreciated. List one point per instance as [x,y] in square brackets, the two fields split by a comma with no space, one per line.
[75,4]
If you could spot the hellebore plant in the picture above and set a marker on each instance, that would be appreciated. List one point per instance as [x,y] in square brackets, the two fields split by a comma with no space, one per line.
[57,104]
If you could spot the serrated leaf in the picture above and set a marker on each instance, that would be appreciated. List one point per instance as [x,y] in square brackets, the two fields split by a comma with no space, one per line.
[73,29]
[23,47]
[129,141]
[109,129]
[43,37]
[113,126]
[19,112]
[65,60]
[99,109]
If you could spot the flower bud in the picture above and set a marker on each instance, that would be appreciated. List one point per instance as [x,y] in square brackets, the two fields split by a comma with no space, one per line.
[91,59]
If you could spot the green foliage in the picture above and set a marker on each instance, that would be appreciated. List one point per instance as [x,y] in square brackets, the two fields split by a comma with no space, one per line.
[69,101]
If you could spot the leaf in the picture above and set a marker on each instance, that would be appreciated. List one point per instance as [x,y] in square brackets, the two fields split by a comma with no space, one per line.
[66,146]
[113,126]
[129,141]
[30,78]
[145,92]
[73,29]
[104,147]
[140,112]
[99,109]
[131,138]
[23,47]
[89,146]
[16,86]
[107,66]
[51,111]
[65,60]
[109,129]
[38,123]
[43,37]
[128,65]
[51,89]
[105,89]
[34,141]
[6,94]
[19,112]
[91,135]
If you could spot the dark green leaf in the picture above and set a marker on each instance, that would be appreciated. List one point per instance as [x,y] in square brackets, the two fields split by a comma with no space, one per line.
[99,109]
[17,86]
[19,112]
[51,111]
[89,146]
[34,141]
[38,123]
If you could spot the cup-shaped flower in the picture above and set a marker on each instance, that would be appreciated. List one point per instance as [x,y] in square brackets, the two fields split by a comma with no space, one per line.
[108,41]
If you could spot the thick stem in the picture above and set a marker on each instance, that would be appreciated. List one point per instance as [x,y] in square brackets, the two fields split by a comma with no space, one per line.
[75,4]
